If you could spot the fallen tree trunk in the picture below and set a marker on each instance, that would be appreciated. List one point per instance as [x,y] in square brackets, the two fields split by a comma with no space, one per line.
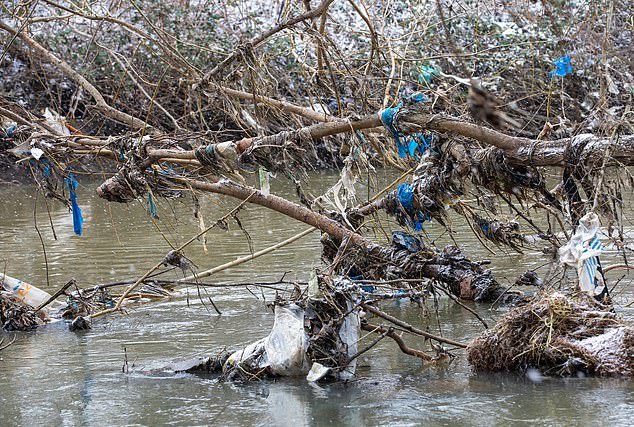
[463,278]
[521,151]
[526,151]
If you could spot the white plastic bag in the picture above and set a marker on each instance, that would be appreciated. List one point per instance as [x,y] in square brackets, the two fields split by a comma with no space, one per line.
[26,292]
[252,356]
[582,251]
[287,343]
[283,351]
[349,334]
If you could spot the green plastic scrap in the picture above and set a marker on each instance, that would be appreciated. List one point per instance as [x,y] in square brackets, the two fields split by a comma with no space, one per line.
[265,182]
[427,72]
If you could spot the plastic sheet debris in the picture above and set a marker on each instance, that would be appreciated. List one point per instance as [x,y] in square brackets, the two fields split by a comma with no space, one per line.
[37,153]
[21,150]
[56,122]
[320,108]
[582,252]
[281,353]
[413,145]
[426,73]
[313,285]
[151,206]
[387,117]
[286,344]
[415,218]
[349,336]
[264,181]
[9,131]
[318,372]
[300,343]
[406,195]
[417,145]
[562,67]
[28,149]
[25,292]
[406,241]
[47,170]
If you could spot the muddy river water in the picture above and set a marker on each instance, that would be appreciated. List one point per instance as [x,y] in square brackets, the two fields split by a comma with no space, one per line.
[52,376]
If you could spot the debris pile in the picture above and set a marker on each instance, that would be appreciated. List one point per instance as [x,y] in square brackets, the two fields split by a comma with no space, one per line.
[15,315]
[559,335]
[316,338]
[282,106]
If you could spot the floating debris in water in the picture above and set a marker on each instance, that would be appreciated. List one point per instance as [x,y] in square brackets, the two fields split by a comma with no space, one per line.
[15,315]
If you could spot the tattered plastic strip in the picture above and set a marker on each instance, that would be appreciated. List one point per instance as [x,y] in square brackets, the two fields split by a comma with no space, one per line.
[78,219]
[582,251]
[413,145]
[9,132]
[387,117]
[405,193]
[46,173]
[591,265]
[427,73]
[265,182]
[151,206]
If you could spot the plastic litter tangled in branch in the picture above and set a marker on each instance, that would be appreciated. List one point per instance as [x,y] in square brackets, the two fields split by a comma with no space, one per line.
[562,67]
[427,73]
[416,218]
[413,145]
[151,206]
[78,219]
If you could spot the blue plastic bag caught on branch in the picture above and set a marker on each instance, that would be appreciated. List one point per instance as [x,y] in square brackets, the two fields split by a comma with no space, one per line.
[78,220]
[412,145]
[415,218]
[387,117]
[427,73]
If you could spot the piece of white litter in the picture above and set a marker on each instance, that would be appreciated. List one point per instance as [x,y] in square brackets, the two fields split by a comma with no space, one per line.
[36,153]
[317,372]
